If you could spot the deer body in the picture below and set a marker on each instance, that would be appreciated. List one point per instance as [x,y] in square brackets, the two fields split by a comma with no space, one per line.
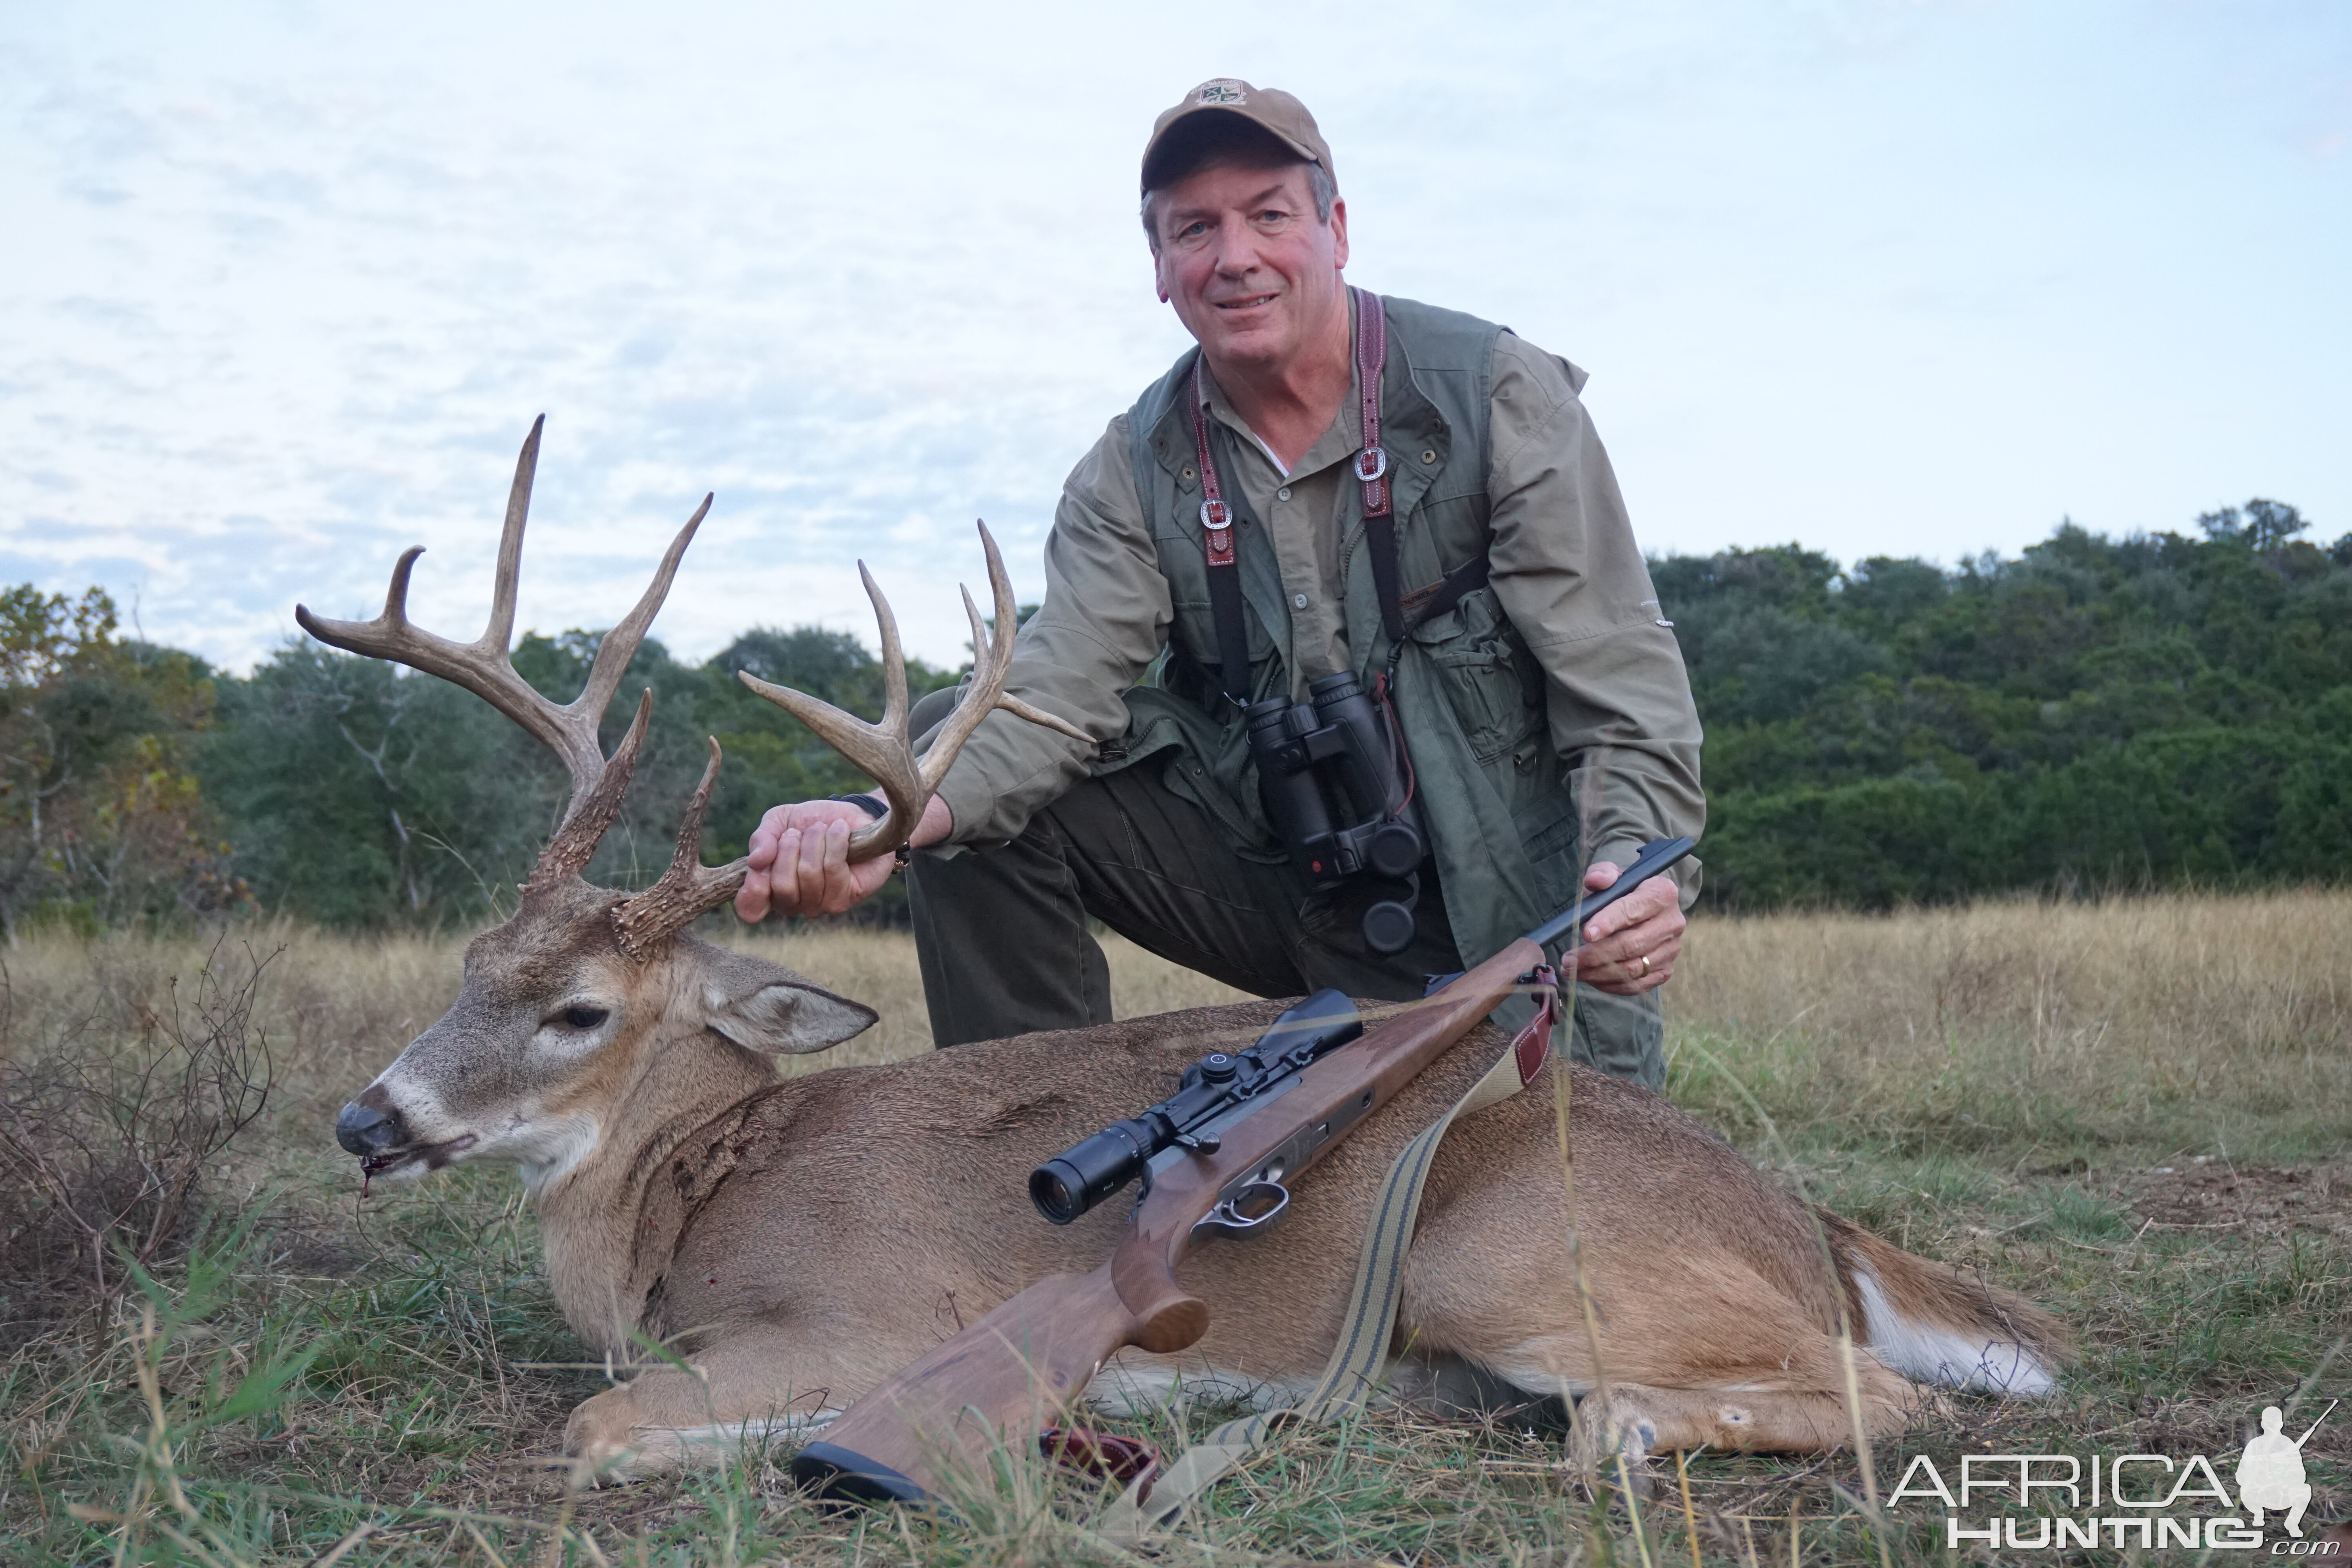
[798,1240]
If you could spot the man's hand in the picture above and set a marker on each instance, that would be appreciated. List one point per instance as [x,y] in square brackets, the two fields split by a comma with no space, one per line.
[800,860]
[1630,946]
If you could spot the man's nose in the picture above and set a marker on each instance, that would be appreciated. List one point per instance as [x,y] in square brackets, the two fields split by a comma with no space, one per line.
[1237,249]
[363,1130]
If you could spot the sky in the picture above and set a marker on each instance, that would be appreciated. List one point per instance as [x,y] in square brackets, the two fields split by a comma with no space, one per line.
[285,283]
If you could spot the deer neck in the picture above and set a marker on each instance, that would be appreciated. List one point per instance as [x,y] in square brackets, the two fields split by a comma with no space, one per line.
[610,1223]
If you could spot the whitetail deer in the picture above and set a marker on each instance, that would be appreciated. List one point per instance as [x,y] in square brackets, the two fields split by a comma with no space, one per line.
[801,1239]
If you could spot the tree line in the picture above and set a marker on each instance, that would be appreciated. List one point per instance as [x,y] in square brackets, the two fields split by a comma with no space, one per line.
[138,786]
[2157,710]
[2096,713]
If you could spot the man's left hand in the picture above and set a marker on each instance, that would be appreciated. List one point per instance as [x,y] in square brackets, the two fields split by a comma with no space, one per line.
[1630,946]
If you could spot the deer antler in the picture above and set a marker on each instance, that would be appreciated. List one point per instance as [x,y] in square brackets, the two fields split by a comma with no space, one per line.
[484,667]
[884,752]
[688,890]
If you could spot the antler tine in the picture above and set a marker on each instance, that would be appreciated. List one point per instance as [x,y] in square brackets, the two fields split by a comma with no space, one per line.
[484,667]
[991,663]
[688,889]
[884,752]
[895,704]
[593,813]
[620,644]
[985,657]
[500,629]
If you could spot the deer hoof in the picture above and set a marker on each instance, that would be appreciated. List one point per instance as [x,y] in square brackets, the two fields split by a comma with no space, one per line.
[1603,1435]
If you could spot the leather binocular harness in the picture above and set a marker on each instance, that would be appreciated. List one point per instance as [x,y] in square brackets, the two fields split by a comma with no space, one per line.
[1335,775]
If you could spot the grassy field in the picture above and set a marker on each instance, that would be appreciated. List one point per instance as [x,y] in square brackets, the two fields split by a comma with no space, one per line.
[2138,1113]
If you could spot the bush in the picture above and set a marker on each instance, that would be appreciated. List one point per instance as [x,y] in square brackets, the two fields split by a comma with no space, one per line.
[109,1126]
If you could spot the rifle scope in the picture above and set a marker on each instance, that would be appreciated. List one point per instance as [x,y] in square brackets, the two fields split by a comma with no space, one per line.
[1087,1171]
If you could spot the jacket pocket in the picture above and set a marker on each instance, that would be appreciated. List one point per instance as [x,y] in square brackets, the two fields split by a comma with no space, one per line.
[1552,836]
[1490,680]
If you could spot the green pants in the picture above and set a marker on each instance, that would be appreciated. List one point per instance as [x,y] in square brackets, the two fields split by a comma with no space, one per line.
[1002,939]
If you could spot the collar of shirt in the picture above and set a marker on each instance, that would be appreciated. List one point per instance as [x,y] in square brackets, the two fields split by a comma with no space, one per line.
[1336,444]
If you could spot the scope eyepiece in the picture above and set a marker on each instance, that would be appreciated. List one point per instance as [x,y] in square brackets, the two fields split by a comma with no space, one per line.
[1066,1186]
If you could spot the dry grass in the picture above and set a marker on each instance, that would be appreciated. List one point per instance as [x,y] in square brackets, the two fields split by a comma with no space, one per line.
[2133,1111]
[2220,1019]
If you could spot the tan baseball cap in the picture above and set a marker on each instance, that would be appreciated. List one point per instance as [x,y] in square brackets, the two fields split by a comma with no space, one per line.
[1270,108]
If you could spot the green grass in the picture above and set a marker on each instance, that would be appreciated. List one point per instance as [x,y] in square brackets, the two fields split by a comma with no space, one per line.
[317,1367]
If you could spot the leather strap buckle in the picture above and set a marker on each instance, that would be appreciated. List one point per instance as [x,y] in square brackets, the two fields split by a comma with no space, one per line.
[1377,457]
[1215,515]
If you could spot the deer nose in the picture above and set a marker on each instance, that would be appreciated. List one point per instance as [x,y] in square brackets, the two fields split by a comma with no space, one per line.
[363,1130]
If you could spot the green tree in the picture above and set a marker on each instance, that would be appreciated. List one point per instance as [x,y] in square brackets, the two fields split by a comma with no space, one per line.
[362,794]
[2158,710]
[102,819]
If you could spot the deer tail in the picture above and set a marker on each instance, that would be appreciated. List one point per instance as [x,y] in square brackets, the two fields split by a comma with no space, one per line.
[1936,1324]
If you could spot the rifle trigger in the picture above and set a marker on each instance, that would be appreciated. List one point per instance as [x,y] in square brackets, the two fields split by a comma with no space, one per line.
[1253,1210]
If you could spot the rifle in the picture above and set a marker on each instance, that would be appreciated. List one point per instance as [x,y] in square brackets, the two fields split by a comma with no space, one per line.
[1214,1159]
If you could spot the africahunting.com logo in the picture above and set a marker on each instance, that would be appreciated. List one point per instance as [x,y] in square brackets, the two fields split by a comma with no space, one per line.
[2157,1502]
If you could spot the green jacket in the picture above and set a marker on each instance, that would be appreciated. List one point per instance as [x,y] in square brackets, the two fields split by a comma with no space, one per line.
[1559,682]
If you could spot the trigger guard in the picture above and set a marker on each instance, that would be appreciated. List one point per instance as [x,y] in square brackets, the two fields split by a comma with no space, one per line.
[1228,1220]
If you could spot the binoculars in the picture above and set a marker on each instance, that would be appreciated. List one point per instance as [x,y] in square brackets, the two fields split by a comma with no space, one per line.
[1335,789]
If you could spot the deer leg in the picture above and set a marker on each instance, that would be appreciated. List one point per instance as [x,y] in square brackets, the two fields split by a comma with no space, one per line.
[756,1384]
[1636,1420]
[1691,1352]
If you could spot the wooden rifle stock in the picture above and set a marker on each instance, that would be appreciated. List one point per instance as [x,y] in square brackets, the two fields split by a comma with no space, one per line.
[1013,1373]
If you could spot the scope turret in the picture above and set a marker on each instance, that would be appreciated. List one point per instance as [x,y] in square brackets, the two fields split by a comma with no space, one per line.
[1091,1169]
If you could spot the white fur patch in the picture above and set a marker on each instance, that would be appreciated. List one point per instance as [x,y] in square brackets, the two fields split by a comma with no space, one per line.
[727,1434]
[1935,1354]
[548,1150]
[654,1450]
[1520,1367]
[1132,1386]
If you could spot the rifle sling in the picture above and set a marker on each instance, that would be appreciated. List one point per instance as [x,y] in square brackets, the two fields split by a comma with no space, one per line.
[1353,1371]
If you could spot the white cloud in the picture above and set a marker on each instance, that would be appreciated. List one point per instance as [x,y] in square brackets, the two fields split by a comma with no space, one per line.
[1883,278]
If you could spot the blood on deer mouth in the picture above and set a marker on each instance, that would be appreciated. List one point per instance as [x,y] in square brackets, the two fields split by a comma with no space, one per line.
[434,1155]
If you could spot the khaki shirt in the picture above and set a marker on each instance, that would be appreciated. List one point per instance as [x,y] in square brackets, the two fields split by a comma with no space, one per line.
[1565,568]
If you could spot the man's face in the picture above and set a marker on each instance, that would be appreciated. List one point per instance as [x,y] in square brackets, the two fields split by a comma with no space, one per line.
[1252,273]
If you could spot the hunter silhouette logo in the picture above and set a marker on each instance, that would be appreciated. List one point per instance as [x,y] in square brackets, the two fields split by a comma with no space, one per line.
[2157,1502]
[2269,1472]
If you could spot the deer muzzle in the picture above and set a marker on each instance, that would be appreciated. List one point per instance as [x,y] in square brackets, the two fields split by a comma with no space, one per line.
[379,1135]
[368,1132]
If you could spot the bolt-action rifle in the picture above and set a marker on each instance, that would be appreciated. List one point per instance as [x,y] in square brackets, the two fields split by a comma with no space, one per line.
[1214,1159]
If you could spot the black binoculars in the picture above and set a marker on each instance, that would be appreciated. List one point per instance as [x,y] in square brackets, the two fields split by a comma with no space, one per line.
[1335,791]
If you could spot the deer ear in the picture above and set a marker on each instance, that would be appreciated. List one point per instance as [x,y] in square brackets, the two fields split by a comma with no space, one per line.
[765,1007]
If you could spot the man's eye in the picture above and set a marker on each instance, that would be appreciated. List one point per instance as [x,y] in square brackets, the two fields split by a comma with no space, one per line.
[584,1017]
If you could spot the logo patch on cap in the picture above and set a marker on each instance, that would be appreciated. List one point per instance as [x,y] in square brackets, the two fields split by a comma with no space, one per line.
[1224,90]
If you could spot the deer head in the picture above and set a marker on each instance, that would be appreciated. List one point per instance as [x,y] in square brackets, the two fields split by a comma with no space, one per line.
[589,1000]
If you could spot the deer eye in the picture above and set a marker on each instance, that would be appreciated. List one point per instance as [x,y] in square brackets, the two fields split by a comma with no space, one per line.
[583,1017]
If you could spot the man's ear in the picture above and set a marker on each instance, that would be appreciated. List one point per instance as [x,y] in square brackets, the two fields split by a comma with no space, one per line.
[764,1006]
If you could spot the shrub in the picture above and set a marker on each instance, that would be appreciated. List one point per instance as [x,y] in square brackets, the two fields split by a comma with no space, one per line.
[110,1124]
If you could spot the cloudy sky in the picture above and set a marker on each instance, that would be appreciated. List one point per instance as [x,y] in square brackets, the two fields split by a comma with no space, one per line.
[286,282]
